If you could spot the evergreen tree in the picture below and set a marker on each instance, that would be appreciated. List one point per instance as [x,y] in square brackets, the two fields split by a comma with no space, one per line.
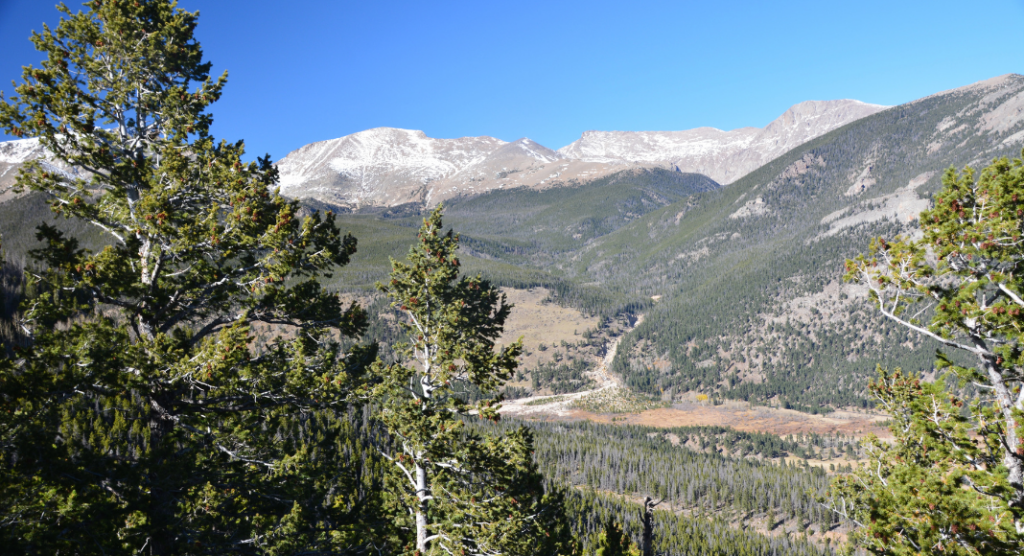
[968,272]
[142,416]
[12,282]
[464,492]
[613,542]
[925,491]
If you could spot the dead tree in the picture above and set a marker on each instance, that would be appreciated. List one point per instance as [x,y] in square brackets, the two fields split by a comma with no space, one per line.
[648,520]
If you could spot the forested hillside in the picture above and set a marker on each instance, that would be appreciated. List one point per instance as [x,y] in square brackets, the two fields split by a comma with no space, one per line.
[192,363]
[740,286]
[753,306]
[643,461]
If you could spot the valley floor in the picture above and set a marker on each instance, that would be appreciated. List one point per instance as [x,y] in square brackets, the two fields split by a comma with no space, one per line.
[749,418]
[741,416]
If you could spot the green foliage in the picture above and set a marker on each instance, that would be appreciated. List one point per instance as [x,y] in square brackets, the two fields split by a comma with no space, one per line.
[965,272]
[140,415]
[465,492]
[561,377]
[12,290]
[632,461]
[677,534]
[611,542]
[927,491]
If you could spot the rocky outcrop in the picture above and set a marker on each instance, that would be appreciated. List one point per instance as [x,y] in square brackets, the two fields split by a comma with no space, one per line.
[724,156]
[13,154]
[388,166]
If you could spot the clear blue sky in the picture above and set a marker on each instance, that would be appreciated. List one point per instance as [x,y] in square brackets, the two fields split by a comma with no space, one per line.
[308,70]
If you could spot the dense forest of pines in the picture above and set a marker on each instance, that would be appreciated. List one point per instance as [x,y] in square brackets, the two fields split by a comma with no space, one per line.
[181,372]
[676,534]
[643,461]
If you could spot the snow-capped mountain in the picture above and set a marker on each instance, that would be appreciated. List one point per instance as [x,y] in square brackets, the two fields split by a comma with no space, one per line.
[387,166]
[382,166]
[13,154]
[17,152]
[724,156]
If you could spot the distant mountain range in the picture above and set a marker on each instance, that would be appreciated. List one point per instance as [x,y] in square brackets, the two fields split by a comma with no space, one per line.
[388,167]
[740,284]
[730,243]
[14,153]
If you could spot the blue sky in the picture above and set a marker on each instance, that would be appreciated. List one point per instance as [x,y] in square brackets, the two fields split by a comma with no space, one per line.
[309,70]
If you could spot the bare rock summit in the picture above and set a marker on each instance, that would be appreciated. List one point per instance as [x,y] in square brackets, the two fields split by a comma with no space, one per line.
[388,166]
[724,156]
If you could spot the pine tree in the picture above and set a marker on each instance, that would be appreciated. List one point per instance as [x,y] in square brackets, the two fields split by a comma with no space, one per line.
[939,489]
[464,492]
[12,290]
[613,542]
[141,416]
[924,491]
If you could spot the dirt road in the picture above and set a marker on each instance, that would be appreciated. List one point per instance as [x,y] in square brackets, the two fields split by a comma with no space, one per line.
[558,405]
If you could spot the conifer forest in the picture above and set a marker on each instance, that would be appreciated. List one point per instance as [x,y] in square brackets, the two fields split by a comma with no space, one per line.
[648,362]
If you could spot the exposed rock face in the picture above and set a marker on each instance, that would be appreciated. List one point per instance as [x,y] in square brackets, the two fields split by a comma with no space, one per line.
[382,166]
[387,166]
[15,153]
[724,156]
[12,155]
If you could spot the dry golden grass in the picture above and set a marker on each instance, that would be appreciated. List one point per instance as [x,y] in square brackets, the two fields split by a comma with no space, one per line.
[744,417]
[539,323]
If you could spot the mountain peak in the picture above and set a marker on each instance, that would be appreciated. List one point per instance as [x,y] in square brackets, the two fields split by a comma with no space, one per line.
[724,156]
[20,150]
[389,166]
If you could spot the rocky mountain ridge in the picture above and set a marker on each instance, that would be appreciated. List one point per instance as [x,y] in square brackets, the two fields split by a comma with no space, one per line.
[388,166]
[15,153]
[723,156]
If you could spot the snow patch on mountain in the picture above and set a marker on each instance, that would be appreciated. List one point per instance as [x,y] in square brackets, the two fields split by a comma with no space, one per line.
[20,151]
[724,156]
[389,166]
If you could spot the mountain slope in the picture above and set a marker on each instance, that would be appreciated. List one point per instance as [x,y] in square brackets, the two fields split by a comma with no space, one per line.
[389,167]
[741,285]
[386,165]
[724,156]
[750,275]
[12,155]
[526,236]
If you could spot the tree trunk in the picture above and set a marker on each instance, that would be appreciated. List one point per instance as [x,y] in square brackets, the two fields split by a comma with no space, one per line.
[421,508]
[161,501]
[1007,408]
[648,519]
